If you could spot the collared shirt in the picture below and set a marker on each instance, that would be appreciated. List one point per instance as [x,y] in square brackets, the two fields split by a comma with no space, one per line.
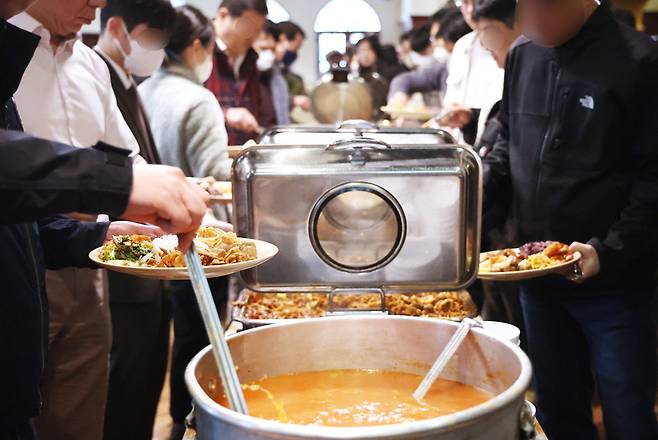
[126,78]
[237,62]
[474,79]
[67,95]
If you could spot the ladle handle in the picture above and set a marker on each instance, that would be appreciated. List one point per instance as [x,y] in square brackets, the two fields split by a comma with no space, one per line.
[213,325]
[445,356]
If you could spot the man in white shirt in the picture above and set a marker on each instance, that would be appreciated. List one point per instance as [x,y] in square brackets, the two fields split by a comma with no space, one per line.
[66,96]
[474,79]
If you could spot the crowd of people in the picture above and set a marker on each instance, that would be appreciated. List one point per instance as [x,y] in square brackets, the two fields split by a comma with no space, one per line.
[558,97]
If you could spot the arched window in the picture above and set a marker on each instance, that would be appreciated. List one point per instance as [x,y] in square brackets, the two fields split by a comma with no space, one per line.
[277,13]
[341,24]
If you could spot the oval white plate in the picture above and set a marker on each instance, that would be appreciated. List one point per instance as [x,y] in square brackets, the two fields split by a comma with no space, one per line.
[264,251]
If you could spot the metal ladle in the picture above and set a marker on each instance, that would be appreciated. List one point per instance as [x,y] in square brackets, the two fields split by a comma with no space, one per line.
[445,356]
[213,325]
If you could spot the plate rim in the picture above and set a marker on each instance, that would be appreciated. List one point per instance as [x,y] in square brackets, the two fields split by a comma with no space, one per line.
[520,275]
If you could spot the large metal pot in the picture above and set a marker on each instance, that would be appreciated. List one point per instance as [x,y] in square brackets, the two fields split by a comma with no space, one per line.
[366,342]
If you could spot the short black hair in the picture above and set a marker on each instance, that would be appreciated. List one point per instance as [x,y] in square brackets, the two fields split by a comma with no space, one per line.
[272,29]
[290,30]
[156,14]
[238,7]
[499,10]
[453,28]
[190,24]
[440,15]
[420,38]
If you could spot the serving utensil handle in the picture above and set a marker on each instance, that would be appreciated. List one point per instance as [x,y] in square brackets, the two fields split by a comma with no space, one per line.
[213,325]
[445,356]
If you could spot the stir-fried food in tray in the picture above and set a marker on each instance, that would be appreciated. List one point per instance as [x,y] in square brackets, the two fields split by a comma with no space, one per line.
[530,256]
[214,246]
[449,305]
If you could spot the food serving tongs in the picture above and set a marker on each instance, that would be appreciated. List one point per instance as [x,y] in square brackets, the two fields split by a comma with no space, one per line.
[213,325]
[445,356]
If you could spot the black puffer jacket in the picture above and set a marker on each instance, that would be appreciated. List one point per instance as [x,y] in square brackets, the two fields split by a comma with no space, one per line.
[39,179]
[577,156]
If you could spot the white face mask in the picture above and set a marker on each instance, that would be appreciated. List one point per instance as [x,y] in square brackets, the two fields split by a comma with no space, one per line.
[441,54]
[204,70]
[266,60]
[140,61]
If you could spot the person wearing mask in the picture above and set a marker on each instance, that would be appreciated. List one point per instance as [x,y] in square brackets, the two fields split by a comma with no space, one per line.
[41,178]
[189,130]
[576,161]
[495,22]
[366,60]
[66,96]
[133,35]
[290,41]
[474,79]
[272,73]
[430,80]
[235,79]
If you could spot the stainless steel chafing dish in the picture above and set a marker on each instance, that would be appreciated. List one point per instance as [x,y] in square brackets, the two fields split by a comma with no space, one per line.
[360,216]
[328,133]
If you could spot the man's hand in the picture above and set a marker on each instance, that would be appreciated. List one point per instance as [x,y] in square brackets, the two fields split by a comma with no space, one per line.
[457,116]
[130,228]
[241,119]
[589,264]
[301,101]
[162,196]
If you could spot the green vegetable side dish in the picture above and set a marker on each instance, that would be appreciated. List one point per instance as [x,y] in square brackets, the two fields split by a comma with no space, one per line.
[126,248]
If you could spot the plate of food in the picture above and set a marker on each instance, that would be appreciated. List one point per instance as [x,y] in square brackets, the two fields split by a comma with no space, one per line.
[532,260]
[417,113]
[222,253]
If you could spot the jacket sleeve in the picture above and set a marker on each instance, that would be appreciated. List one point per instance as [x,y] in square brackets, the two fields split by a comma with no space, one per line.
[67,243]
[634,234]
[206,142]
[39,178]
[497,180]
[423,80]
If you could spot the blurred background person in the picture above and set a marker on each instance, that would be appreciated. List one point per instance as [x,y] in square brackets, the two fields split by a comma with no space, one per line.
[188,127]
[474,79]
[291,38]
[495,22]
[271,71]
[431,80]
[235,79]
[132,41]
[367,64]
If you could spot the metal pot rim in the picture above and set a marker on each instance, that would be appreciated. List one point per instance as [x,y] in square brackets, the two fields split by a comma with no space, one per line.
[463,417]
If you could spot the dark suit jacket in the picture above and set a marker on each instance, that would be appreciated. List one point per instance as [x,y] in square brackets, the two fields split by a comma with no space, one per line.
[147,147]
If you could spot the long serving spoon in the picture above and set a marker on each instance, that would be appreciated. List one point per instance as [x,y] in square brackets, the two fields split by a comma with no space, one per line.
[445,356]
[220,349]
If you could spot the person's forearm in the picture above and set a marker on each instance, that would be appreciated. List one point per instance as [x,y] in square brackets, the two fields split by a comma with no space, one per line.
[67,242]
[39,178]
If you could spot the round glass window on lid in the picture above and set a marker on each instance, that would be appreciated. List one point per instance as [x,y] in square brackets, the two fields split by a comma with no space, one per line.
[357,227]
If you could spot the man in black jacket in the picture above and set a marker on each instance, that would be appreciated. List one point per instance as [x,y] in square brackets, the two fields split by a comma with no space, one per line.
[40,178]
[577,161]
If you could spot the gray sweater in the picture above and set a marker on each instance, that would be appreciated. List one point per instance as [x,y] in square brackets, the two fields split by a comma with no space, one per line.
[187,123]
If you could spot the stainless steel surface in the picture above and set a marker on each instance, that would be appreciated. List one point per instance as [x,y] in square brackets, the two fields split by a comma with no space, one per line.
[437,189]
[326,134]
[446,355]
[221,353]
[382,343]
[238,312]
[334,101]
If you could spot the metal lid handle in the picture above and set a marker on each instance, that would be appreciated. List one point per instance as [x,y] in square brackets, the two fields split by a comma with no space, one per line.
[361,124]
[359,143]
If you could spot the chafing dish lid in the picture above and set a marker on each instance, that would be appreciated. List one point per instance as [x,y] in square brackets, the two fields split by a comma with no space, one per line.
[360,214]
